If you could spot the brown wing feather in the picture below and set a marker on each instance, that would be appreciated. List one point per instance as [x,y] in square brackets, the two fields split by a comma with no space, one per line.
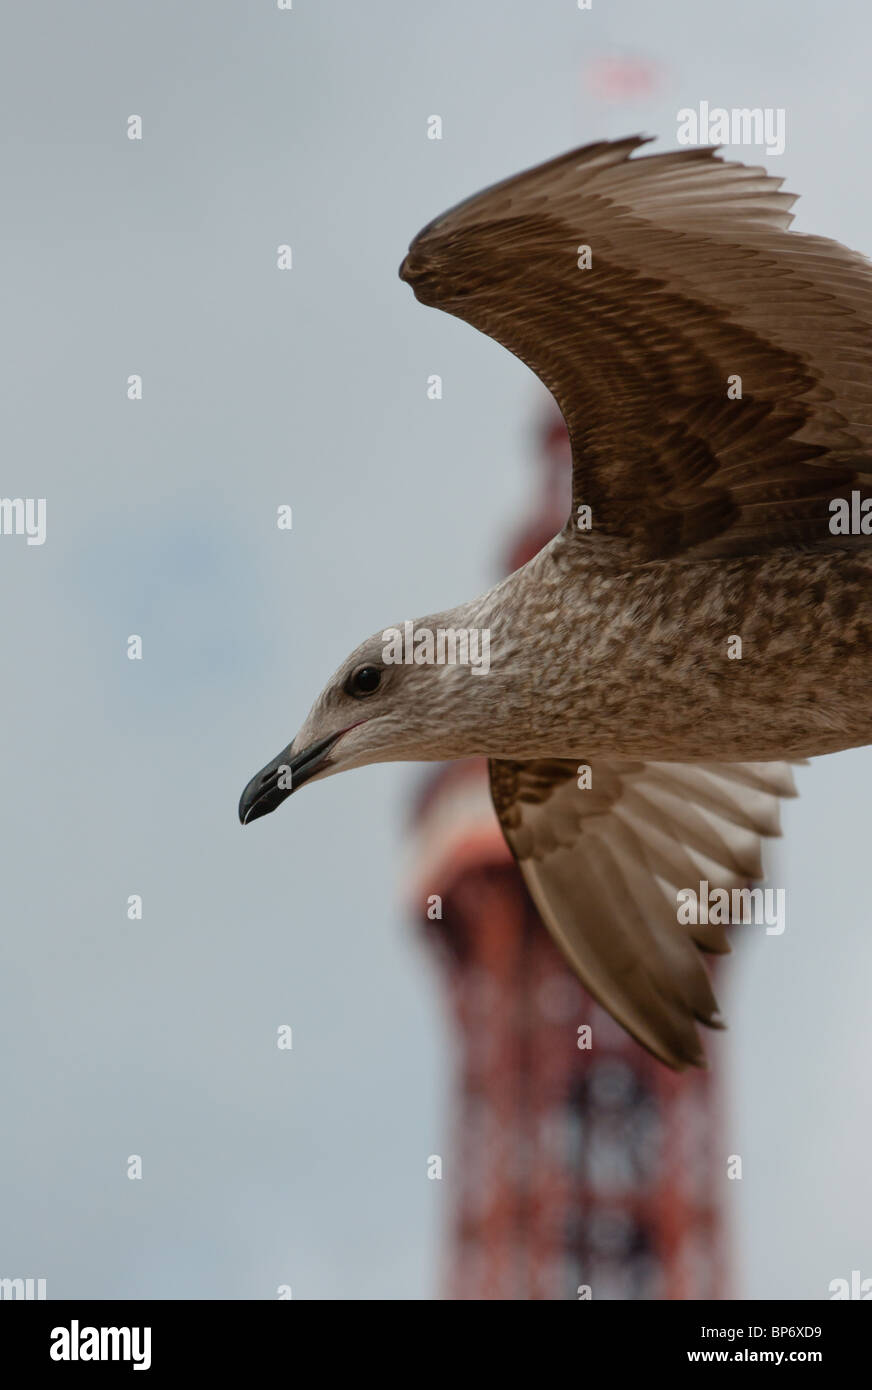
[694,279]
[604,864]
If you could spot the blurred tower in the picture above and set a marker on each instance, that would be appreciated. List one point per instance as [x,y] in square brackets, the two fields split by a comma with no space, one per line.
[570,1168]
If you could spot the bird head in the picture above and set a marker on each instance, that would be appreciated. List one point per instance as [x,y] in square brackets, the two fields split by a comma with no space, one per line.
[417,692]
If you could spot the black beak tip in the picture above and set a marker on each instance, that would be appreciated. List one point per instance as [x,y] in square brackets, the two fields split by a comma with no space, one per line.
[275,782]
[263,793]
[247,811]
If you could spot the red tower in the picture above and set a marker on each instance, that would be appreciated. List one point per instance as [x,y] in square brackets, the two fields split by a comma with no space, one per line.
[580,1166]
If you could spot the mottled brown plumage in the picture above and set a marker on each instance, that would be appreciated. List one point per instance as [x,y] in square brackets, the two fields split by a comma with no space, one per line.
[693,279]
[615,647]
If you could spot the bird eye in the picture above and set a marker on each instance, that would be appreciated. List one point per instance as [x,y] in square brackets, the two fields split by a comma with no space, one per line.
[363,681]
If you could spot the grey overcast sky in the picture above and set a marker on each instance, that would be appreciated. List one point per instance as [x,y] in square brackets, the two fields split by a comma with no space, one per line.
[157,257]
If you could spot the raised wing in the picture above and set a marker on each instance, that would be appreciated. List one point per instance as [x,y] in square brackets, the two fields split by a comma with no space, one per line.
[604,865]
[695,288]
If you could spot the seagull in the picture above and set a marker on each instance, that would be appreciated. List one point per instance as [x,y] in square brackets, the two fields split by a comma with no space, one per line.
[704,619]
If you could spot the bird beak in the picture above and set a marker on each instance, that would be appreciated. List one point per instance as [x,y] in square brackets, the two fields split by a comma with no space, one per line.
[275,782]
